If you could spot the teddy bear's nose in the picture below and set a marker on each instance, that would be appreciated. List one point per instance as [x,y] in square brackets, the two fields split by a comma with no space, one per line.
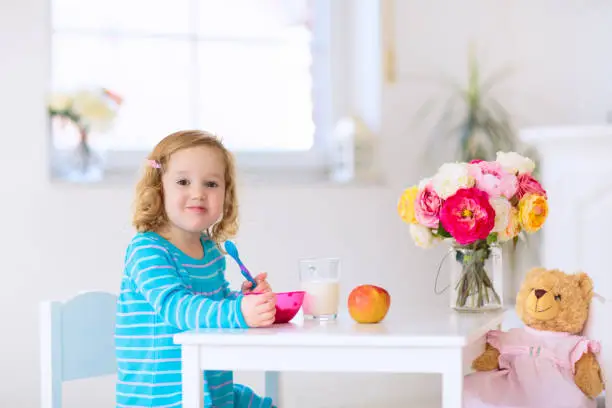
[539,293]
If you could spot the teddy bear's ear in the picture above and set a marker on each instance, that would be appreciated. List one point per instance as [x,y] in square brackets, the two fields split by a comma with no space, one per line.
[586,284]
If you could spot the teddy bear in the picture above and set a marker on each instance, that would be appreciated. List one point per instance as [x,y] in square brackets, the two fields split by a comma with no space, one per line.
[547,363]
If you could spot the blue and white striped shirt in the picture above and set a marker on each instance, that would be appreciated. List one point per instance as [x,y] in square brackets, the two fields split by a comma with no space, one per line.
[163,292]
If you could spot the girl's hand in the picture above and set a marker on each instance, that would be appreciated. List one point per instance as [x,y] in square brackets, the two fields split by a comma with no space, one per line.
[259,310]
[262,285]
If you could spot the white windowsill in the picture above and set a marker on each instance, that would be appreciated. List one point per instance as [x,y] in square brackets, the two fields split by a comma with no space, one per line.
[123,169]
[281,178]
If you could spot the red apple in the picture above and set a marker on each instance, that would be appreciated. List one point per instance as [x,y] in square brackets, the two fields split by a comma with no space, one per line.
[368,303]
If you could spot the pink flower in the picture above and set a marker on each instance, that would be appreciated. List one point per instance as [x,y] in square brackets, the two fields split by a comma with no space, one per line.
[491,178]
[427,206]
[467,215]
[527,184]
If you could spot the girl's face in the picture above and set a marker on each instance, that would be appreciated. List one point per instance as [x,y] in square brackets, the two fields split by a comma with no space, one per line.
[194,188]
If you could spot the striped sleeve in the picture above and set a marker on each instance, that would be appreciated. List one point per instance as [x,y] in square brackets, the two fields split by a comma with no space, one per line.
[228,293]
[154,275]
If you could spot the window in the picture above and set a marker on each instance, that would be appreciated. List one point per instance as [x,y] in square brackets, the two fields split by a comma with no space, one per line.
[255,72]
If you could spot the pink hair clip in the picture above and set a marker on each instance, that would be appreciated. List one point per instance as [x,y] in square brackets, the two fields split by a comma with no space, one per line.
[155,164]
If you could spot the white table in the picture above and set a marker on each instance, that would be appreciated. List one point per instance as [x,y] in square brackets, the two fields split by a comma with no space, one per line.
[421,341]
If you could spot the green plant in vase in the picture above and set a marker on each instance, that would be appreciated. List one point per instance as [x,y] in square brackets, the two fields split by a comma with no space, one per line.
[86,111]
[473,121]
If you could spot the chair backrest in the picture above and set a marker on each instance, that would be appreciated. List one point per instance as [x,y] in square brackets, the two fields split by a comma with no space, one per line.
[597,328]
[76,341]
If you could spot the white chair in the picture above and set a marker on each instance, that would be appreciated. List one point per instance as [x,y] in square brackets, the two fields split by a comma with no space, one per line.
[597,327]
[76,342]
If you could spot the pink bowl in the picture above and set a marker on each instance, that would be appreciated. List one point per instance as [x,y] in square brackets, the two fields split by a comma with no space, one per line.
[287,305]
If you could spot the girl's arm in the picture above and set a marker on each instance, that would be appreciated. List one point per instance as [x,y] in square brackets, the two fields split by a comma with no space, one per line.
[228,293]
[154,275]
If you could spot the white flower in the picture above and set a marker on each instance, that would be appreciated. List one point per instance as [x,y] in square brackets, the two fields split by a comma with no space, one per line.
[59,102]
[514,163]
[424,182]
[450,178]
[502,213]
[422,236]
[93,109]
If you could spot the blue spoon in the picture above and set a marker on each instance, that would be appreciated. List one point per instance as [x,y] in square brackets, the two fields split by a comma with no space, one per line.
[231,249]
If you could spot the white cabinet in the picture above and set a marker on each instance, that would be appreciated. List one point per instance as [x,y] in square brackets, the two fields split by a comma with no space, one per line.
[576,171]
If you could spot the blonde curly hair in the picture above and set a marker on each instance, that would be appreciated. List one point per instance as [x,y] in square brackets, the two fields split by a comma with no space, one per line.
[149,211]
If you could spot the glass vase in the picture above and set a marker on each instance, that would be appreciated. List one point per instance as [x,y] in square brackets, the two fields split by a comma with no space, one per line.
[80,163]
[476,276]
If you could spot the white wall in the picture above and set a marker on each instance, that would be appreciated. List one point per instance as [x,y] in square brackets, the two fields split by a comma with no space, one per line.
[58,240]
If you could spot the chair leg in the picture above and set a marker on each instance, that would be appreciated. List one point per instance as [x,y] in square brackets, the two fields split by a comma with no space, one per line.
[272,385]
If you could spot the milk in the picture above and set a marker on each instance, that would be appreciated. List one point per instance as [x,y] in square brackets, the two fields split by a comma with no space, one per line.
[321,299]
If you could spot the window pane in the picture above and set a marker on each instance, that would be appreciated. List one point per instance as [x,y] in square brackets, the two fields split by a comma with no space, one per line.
[141,16]
[152,16]
[246,75]
[250,18]
[82,61]
[80,14]
[152,75]
[79,62]
[258,97]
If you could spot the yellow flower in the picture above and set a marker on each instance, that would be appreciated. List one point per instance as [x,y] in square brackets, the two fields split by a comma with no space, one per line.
[513,228]
[60,102]
[533,210]
[405,206]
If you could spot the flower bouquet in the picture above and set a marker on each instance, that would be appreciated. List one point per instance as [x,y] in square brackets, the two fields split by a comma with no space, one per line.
[476,206]
[88,110]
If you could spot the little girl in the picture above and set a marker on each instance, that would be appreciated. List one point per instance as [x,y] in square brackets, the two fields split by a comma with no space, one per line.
[174,275]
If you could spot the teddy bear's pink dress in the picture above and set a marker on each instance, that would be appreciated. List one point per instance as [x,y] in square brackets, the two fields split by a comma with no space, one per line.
[536,371]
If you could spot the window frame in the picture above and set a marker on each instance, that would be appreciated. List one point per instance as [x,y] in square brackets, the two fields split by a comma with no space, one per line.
[330,93]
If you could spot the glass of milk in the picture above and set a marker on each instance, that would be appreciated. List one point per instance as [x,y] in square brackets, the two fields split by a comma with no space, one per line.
[320,279]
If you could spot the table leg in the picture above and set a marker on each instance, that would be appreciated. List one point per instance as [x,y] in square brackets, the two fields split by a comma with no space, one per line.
[193,381]
[452,383]
[272,385]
